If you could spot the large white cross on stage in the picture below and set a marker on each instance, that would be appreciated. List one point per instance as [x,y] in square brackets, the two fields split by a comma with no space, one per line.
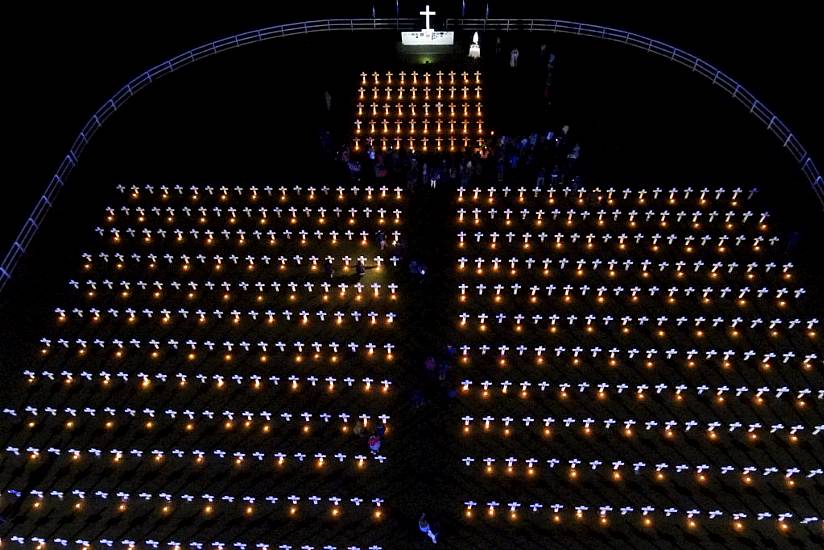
[427,13]
[428,36]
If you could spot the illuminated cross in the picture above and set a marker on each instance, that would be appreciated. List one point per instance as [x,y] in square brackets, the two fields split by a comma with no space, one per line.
[426,13]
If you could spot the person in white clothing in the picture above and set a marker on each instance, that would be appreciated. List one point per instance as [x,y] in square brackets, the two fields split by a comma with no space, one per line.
[513,58]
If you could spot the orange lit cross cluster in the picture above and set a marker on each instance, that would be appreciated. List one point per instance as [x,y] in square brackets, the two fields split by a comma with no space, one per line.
[419,111]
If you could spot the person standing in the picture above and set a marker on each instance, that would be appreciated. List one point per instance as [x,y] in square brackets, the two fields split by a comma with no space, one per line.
[423,525]
[513,58]
[374,443]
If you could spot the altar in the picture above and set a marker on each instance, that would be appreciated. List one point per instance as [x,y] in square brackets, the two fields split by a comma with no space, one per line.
[431,38]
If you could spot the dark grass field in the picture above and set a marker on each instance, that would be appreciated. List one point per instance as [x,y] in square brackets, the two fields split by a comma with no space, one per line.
[253,117]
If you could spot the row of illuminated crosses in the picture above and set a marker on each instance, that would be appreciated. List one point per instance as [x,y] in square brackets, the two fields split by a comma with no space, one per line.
[185,261]
[234,458]
[324,289]
[656,240]
[223,192]
[704,195]
[41,543]
[542,265]
[118,260]
[165,316]
[630,427]
[210,504]
[603,290]
[149,418]
[181,381]
[438,125]
[240,234]
[646,515]
[437,143]
[659,472]
[641,392]
[634,293]
[612,355]
[632,216]
[441,78]
[413,96]
[191,346]
[734,325]
[232,213]
[700,267]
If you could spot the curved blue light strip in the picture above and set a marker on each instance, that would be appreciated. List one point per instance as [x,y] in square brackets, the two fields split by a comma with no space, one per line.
[733,88]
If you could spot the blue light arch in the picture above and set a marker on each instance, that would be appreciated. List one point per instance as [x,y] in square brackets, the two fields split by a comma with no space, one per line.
[738,92]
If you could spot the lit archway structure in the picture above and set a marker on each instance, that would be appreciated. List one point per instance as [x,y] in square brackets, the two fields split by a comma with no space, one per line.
[756,108]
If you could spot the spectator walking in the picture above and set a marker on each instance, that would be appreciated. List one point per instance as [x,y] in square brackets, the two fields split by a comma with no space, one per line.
[423,525]
[374,443]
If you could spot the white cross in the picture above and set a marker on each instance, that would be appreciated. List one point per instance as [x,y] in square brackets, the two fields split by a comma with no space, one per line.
[426,13]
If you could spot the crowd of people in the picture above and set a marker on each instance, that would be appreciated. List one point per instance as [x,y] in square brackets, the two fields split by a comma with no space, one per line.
[539,158]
